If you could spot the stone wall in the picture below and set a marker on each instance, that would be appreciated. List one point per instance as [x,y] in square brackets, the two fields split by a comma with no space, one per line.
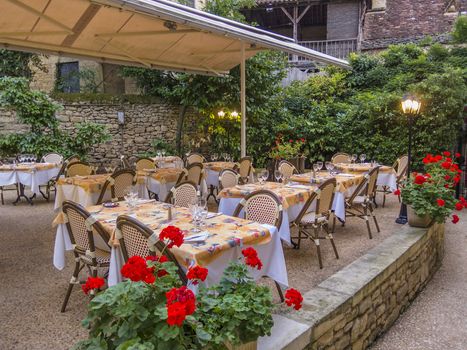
[404,20]
[143,123]
[343,20]
[353,307]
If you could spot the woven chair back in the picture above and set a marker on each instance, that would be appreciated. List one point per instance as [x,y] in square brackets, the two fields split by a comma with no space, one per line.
[78,168]
[134,239]
[228,178]
[261,206]
[194,173]
[145,163]
[122,180]
[52,158]
[287,169]
[325,197]
[183,194]
[401,164]
[195,158]
[340,158]
[245,167]
[372,179]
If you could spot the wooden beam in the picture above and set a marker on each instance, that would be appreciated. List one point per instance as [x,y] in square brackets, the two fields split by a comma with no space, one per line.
[209,53]
[127,53]
[303,13]
[287,14]
[148,32]
[41,15]
[50,32]
[81,24]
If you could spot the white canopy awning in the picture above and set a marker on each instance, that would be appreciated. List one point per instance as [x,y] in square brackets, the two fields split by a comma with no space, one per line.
[153,34]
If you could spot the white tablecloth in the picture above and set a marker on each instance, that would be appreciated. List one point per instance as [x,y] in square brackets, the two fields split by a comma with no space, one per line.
[212,177]
[31,179]
[271,254]
[161,189]
[387,179]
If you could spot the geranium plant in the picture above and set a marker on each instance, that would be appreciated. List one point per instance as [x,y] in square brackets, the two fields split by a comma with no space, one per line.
[151,309]
[286,149]
[432,193]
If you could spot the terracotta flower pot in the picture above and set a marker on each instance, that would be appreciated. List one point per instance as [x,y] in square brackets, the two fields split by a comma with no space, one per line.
[248,346]
[416,220]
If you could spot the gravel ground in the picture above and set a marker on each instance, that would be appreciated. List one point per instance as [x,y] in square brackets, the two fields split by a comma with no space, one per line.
[32,290]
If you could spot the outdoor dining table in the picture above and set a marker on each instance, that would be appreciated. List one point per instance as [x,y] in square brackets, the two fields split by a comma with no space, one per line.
[85,190]
[292,195]
[161,180]
[387,175]
[168,162]
[225,237]
[32,175]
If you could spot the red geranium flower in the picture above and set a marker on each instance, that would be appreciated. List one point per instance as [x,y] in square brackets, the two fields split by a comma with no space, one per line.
[251,258]
[456,179]
[446,165]
[455,219]
[420,179]
[438,157]
[197,273]
[92,283]
[459,206]
[293,297]
[302,140]
[290,141]
[440,202]
[397,192]
[457,155]
[446,153]
[137,270]
[180,303]
[172,236]
[447,177]
[176,314]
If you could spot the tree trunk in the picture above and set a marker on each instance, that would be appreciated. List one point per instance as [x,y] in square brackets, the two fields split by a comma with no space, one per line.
[181,119]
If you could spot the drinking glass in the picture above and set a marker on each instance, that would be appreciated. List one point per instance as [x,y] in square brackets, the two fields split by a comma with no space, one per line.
[353,158]
[214,157]
[315,167]
[327,165]
[163,152]
[278,175]
[362,157]
[195,214]
[331,167]
[265,175]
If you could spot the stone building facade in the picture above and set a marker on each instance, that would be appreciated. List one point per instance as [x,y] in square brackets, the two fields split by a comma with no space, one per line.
[388,22]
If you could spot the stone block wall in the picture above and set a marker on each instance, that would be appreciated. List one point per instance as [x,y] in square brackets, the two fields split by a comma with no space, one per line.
[343,18]
[352,308]
[143,123]
[406,20]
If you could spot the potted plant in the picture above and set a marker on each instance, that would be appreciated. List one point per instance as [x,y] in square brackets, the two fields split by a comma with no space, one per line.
[430,195]
[153,310]
[290,150]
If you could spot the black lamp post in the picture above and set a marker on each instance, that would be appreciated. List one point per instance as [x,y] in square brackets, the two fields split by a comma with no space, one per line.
[410,106]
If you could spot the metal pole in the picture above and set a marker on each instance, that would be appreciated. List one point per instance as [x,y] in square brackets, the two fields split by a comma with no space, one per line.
[243,104]
[402,219]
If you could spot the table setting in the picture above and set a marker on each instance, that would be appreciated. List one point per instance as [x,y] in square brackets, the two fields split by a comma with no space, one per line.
[212,240]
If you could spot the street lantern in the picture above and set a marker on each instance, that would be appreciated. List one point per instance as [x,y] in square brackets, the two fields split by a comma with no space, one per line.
[221,114]
[411,107]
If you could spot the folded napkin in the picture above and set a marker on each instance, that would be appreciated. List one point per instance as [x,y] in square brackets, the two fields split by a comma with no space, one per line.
[201,237]
[346,175]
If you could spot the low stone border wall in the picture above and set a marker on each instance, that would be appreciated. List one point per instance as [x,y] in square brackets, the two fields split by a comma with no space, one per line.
[358,303]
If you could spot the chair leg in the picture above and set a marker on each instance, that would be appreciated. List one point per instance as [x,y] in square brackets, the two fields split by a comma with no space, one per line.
[1,194]
[318,248]
[384,196]
[73,281]
[331,238]
[365,215]
[374,218]
[333,223]
[279,290]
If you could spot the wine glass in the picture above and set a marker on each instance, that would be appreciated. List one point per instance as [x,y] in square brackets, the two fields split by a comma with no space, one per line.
[195,214]
[362,157]
[331,167]
[214,157]
[327,165]
[315,167]
[277,175]
[265,175]
[163,152]
[353,158]
[320,165]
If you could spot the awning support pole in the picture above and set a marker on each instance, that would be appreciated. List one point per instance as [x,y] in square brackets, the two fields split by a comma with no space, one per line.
[243,104]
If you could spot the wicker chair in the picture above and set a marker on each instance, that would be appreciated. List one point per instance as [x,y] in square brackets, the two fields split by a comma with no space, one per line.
[78,168]
[178,162]
[311,223]
[264,207]
[52,158]
[119,182]
[81,227]
[244,169]
[287,169]
[400,165]
[195,158]
[362,200]
[144,163]
[193,172]
[134,238]
[228,178]
[340,158]
[182,194]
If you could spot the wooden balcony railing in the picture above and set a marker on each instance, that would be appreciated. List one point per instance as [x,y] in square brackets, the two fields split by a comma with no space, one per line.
[337,48]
